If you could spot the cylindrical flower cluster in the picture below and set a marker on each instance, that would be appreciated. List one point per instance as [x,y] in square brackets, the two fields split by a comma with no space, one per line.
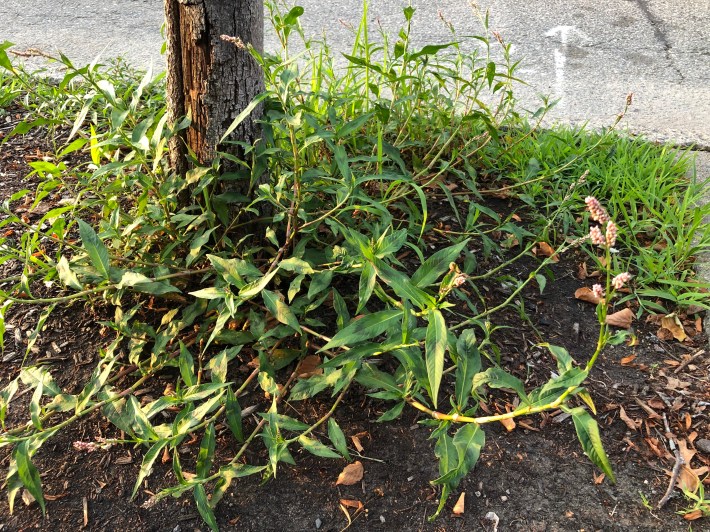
[596,235]
[598,291]
[620,280]
[611,233]
[597,212]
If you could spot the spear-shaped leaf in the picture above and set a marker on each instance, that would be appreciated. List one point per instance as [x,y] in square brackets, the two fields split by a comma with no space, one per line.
[98,254]
[435,345]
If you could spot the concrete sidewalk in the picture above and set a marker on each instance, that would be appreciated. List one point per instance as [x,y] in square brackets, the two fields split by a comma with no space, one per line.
[589,54]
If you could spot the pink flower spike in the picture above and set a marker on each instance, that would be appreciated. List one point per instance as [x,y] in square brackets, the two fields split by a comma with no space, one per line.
[597,212]
[620,280]
[596,235]
[598,291]
[611,233]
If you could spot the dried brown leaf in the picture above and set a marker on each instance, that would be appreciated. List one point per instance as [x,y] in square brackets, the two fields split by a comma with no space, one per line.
[509,424]
[460,504]
[582,271]
[664,334]
[586,294]
[687,479]
[352,503]
[598,479]
[621,319]
[545,250]
[673,324]
[309,366]
[692,516]
[351,474]
[633,425]
[357,444]
[627,360]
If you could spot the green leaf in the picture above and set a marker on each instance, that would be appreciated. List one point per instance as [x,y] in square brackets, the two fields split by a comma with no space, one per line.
[366,286]
[227,474]
[320,281]
[436,265]
[66,276]
[588,434]
[204,457]
[468,364]
[337,437]
[218,366]
[317,448]
[541,282]
[29,476]
[95,248]
[496,377]
[233,412]
[402,285]
[371,377]
[210,293]
[392,413]
[255,287]
[241,116]
[341,309]
[145,284]
[280,310]
[187,366]
[435,350]
[147,465]
[365,328]
[228,269]
[564,360]
[282,421]
[296,265]
[204,508]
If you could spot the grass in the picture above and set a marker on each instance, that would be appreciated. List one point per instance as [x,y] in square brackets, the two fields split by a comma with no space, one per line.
[354,159]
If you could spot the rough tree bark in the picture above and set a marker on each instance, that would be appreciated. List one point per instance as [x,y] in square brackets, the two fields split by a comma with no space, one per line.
[211,76]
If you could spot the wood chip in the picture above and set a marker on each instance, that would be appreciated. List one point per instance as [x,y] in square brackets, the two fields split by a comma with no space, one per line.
[508,423]
[357,444]
[633,425]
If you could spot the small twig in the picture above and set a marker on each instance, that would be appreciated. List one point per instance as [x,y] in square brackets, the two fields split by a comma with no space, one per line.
[688,361]
[679,462]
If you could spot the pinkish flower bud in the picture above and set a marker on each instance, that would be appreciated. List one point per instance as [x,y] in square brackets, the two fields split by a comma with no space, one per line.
[620,280]
[611,233]
[596,235]
[598,291]
[88,447]
[597,212]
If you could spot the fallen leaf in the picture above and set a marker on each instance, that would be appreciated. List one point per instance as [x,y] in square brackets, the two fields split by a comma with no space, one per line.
[664,334]
[622,319]
[459,506]
[586,294]
[508,423]
[673,324]
[516,218]
[582,271]
[633,425]
[309,366]
[652,414]
[357,444]
[699,324]
[351,474]
[352,503]
[687,479]
[544,249]
[166,455]
[692,516]
[676,384]
[598,479]
[27,497]
[627,360]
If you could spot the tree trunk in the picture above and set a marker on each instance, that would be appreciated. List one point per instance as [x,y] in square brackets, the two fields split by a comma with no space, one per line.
[211,76]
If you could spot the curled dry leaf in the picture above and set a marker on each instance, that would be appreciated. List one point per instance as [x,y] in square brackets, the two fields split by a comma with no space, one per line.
[509,424]
[598,479]
[633,425]
[627,360]
[352,503]
[309,367]
[692,516]
[582,271]
[586,294]
[545,250]
[357,443]
[460,503]
[351,474]
[621,319]
[673,324]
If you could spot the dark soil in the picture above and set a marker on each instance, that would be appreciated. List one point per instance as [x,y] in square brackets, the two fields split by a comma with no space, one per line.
[534,478]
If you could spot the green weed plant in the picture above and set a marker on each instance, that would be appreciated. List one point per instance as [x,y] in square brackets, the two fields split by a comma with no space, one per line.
[307,262]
